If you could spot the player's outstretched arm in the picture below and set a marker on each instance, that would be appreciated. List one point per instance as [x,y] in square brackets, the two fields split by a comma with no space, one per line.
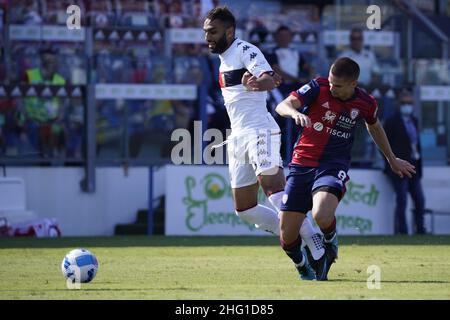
[288,109]
[400,167]
[265,82]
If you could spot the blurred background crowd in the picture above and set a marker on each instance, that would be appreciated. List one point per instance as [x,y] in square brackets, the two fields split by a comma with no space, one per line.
[161,42]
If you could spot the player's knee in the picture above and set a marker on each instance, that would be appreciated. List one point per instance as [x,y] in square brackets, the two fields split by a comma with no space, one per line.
[270,172]
[286,235]
[250,215]
[288,240]
[244,207]
[323,220]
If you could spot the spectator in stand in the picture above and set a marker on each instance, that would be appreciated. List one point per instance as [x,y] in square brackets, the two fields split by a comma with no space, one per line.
[45,115]
[365,58]
[403,133]
[288,62]
[369,77]
[291,65]
[31,14]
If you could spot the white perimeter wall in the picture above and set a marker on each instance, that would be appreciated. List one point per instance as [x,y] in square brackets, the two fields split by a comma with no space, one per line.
[55,192]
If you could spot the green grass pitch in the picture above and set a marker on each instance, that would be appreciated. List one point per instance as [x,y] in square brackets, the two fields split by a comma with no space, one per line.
[221,268]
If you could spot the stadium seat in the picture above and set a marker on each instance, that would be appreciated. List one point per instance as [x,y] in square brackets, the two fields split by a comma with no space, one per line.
[101,14]
[13,201]
[434,213]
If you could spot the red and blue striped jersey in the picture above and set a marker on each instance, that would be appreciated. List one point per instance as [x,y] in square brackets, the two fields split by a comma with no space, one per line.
[330,138]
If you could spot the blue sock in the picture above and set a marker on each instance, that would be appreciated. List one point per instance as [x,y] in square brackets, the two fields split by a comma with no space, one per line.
[293,250]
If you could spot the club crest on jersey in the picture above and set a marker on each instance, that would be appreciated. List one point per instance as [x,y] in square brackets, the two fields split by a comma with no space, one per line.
[329,116]
[354,113]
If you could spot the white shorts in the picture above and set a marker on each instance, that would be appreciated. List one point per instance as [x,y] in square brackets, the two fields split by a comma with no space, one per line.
[251,154]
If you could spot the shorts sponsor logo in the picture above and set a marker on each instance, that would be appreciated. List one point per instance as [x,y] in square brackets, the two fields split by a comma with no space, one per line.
[285,198]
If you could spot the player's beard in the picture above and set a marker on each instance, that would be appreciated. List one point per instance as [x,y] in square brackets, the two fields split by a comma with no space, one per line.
[221,45]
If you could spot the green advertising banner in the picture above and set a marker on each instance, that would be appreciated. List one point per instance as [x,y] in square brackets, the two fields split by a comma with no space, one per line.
[199,202]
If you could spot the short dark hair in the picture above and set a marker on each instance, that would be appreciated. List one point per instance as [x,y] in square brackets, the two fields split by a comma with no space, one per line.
[345,68]
[356,30]
[283,28]
[405,92]
[47,51]
[223,14]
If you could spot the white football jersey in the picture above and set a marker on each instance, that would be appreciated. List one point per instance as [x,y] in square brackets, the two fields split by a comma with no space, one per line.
[246,109]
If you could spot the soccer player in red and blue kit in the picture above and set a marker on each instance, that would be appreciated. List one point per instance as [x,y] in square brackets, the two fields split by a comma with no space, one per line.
[327,110]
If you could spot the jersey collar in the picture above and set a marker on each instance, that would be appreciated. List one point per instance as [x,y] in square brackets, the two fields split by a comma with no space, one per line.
[229,47]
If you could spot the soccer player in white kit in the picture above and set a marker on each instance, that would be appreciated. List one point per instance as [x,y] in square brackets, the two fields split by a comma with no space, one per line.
[254,144]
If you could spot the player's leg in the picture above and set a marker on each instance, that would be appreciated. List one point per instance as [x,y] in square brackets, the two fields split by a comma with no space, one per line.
[273,185]
[400,186]
[325,202]
[245,189]
[416,191]
[272,181]
[269,184]
[328,189]
[248,209]
[290,240]
[296,201]
[264,155]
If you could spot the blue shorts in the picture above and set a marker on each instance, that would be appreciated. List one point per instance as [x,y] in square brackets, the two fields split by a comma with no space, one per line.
[303,181]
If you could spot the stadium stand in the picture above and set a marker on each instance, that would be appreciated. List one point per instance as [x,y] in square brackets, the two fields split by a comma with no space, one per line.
[130,43]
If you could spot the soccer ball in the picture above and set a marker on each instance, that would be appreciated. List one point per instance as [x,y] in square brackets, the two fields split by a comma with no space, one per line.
[79,265]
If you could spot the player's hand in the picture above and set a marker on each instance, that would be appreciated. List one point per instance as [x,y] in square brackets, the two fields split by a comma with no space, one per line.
[277,79]
[402,168]
[249,82]
[302,120]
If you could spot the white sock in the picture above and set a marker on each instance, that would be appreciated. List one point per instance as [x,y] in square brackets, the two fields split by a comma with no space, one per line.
[263,217]
[312,239]
[275,200]
[307,231]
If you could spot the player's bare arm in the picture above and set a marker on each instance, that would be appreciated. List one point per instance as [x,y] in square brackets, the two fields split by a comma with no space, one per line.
[400,167]
[264,83]
[288,109]
[284,74]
